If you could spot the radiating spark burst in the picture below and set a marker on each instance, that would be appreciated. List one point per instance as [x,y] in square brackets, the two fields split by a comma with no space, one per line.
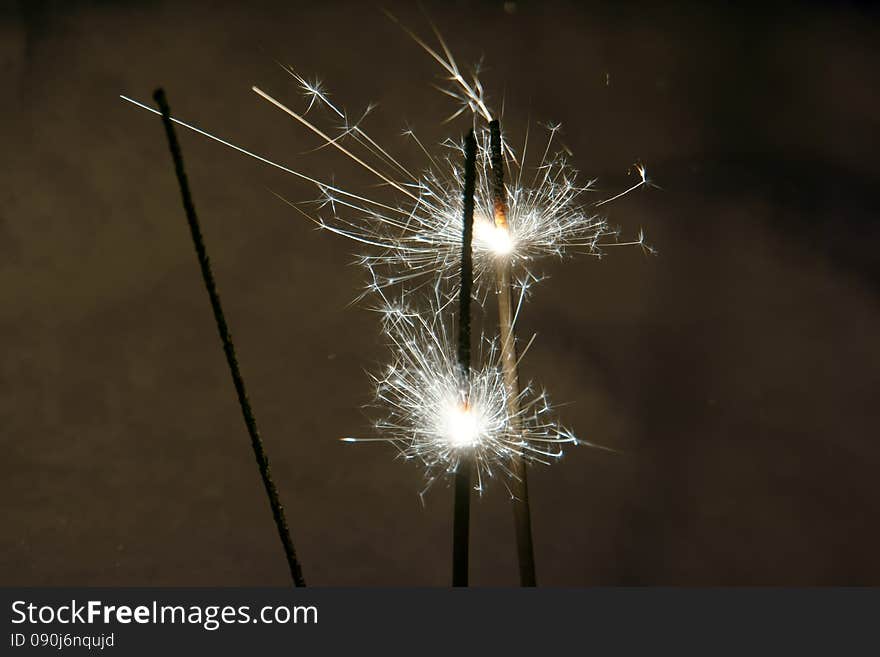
[419,236]
[546,215]
[544,219]
[435,416]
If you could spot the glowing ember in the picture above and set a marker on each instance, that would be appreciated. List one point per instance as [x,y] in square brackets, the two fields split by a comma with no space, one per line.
[461,426]
[489,237]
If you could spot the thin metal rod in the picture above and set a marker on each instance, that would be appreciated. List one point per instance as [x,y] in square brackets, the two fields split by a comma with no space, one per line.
[228,347]
[519,485]
[462,505]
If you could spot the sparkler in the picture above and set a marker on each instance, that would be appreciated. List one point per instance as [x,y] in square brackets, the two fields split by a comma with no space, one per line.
[430,416]
[228,346]
[521,509]
[464,424]
[418,238]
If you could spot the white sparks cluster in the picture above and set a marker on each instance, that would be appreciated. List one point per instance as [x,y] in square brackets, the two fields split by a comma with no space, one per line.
[422,239]
[419,237]
[435,415]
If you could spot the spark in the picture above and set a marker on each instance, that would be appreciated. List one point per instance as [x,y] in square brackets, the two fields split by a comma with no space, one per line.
[435,416]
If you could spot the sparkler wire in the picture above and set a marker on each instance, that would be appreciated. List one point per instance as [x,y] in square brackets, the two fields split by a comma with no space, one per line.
[519,482]
[228,347]
[462,508]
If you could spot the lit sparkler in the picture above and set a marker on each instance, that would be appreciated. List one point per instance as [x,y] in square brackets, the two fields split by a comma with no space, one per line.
[435,416]
[418,238]
[545,213]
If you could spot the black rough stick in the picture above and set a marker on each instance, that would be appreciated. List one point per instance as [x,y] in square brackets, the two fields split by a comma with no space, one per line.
[497,163]
[462,512]
[228,347]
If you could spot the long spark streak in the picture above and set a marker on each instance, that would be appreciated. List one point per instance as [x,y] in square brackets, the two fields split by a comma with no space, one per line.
[321,185]
[332,142]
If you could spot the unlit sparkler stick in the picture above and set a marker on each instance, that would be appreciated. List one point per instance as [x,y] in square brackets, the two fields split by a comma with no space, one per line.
[228,347]
[462,512]
[519,483]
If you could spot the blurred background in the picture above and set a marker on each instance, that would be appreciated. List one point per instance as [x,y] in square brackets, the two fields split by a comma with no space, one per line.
[736,373]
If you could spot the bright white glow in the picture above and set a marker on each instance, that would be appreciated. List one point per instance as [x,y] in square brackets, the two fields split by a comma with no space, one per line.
[493,238]
[462,427]
[420,397]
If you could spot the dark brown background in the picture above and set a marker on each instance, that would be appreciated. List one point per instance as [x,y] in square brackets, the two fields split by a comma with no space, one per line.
[737,372]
